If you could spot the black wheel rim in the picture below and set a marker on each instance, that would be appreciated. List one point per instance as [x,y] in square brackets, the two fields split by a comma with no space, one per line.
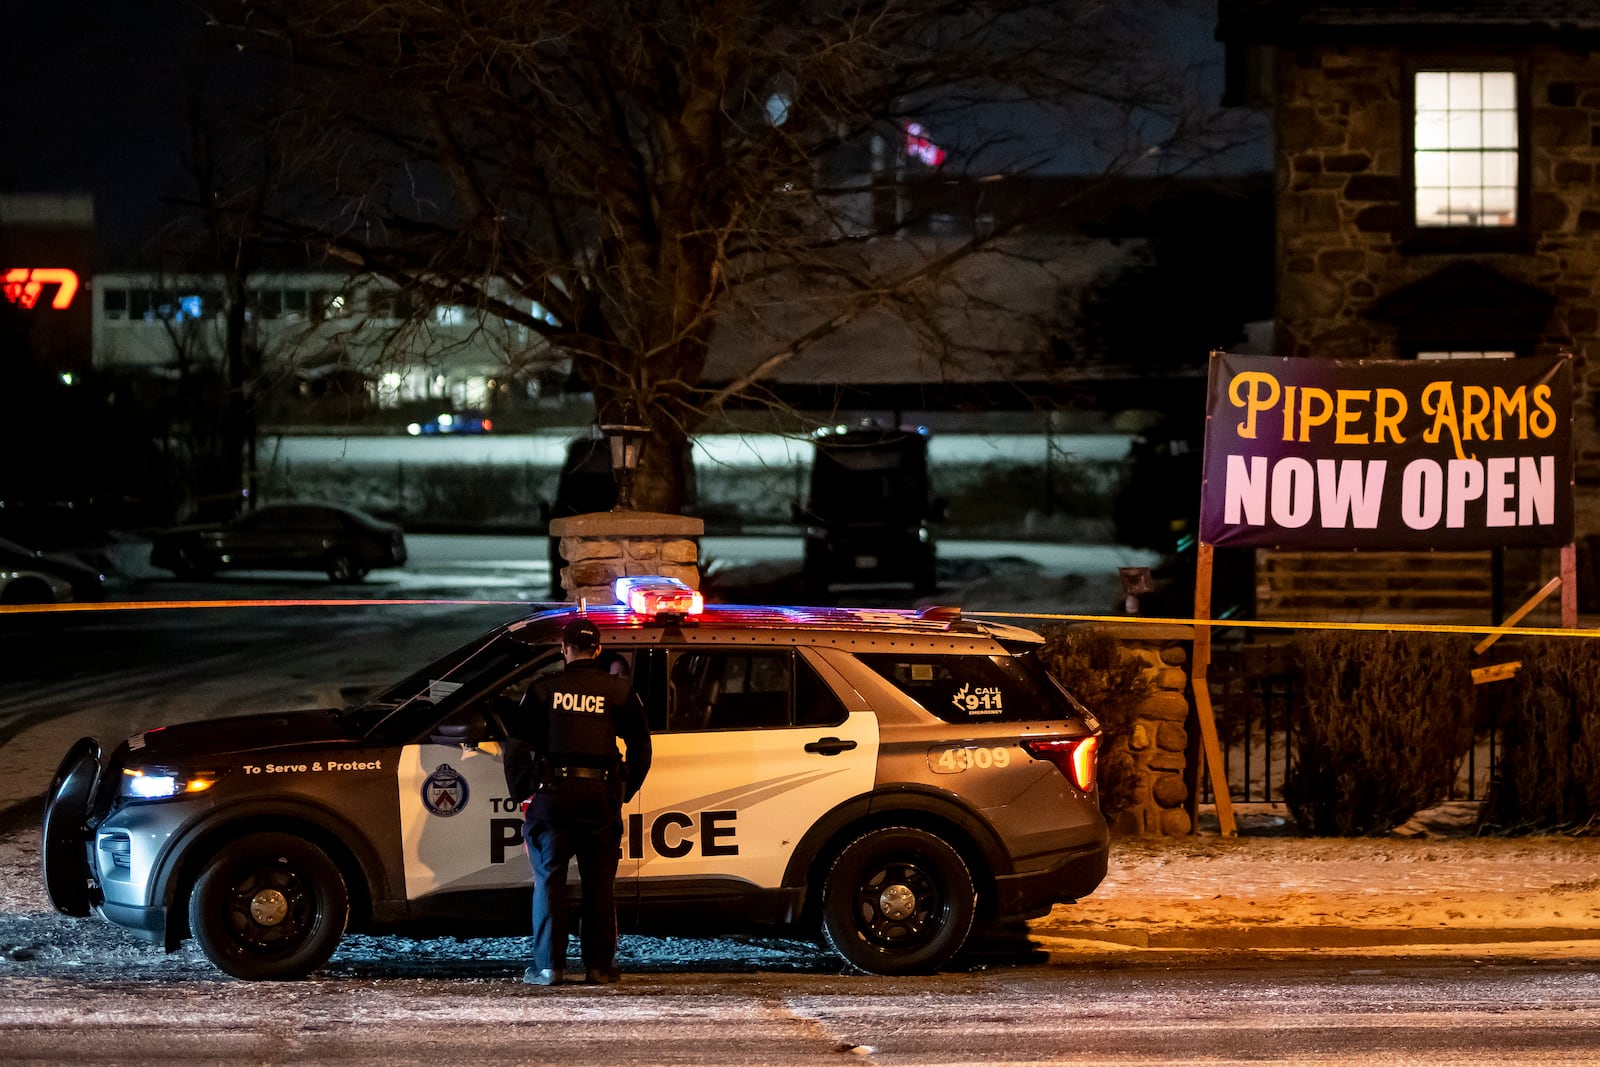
[271,910]
[899,906]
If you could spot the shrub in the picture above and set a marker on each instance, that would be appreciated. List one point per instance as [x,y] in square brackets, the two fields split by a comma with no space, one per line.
[1381,722]
[482,494]
[1549,768]
[1090,663]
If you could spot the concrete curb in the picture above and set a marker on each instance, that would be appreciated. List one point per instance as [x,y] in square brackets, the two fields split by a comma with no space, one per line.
[1315,937]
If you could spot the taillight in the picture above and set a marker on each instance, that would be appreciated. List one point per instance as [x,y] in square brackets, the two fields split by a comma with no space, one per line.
[1074,757]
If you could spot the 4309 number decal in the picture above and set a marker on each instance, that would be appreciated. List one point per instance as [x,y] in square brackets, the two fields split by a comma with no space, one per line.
[955,760]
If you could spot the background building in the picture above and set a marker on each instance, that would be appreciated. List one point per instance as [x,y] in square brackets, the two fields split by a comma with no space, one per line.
[1436,189]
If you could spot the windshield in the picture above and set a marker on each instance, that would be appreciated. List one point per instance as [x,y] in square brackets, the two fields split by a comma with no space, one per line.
[876,481]
[441,684]
[1032,665]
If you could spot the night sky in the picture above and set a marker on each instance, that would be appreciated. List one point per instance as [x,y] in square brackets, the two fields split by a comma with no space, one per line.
[95,104]
[96,100]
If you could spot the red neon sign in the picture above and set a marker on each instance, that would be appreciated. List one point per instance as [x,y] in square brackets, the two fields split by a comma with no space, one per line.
[24,285]
[920,147]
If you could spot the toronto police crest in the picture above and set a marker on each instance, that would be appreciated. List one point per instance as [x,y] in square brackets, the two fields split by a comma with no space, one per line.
[444,792]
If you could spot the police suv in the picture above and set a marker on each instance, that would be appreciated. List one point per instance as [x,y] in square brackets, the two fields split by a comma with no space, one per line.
[890,776]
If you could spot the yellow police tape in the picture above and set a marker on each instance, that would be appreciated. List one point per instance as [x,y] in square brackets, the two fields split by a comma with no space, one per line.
[162,605]
[1121,620]
[1266,624]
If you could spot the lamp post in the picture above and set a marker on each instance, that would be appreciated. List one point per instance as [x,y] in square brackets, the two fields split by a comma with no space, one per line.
[627,441]
[1136,581]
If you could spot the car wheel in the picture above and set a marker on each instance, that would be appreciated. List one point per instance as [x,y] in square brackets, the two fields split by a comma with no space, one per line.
[269,906]
[187,564]
[898,901]
[27,591]
[342,567]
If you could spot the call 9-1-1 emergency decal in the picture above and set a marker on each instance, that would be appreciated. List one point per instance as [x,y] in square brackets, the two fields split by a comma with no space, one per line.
[978,699]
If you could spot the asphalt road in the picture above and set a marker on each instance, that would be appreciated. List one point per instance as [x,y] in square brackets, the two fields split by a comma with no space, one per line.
[1160,1010]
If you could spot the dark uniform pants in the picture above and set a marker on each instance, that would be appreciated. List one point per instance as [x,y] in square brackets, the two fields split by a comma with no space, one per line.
[554,839]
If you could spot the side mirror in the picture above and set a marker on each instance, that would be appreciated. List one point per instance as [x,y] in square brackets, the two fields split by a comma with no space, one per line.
[462,727]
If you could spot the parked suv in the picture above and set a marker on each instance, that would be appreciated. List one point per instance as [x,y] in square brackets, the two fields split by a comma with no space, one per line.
[887,777]
[866,515]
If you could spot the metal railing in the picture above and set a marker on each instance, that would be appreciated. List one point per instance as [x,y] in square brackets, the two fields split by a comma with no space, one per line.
[1255,701]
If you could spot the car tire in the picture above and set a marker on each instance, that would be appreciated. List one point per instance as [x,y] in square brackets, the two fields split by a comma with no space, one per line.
[28,591]
[898,900]
[187,565]
[269,906]
[342,567]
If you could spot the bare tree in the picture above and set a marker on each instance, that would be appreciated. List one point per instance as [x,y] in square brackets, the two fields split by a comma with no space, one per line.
[615,175]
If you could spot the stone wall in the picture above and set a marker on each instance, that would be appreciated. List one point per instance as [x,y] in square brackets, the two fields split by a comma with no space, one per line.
[603,546]
[1343,217]
[1158,739]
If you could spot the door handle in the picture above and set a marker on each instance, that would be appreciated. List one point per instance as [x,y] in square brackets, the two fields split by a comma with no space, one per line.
[830,746]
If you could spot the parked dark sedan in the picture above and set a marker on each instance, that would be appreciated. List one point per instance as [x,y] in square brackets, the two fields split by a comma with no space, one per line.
[341,541]
[28,576]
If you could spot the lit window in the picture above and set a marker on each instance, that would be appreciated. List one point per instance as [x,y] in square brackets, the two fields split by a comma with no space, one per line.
[450,315]
[1466,355]
[1465,148]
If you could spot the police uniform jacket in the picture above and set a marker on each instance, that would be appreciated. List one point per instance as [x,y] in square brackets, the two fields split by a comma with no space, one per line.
[569,724]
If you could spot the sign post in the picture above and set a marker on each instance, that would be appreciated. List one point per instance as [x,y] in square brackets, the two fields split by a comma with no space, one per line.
[1210,745]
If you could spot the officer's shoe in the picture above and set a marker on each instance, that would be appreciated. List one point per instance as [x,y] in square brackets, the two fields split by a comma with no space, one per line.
[602,976]
[533,976]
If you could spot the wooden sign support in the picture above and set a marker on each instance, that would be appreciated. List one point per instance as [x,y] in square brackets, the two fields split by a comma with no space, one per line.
[1210,746]
[1516,616]
[1569,586]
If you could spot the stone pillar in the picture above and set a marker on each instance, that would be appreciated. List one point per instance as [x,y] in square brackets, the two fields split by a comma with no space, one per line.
[1157,738]
[606,545]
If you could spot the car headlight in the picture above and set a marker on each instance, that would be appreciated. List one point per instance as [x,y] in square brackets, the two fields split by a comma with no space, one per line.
[158,783]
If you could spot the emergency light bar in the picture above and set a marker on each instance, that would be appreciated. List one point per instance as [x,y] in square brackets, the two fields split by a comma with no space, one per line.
[656,595]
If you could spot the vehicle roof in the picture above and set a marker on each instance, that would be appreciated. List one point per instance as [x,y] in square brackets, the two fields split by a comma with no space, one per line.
[936,622]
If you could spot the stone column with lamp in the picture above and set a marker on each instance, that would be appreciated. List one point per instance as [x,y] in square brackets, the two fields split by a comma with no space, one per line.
[603,546]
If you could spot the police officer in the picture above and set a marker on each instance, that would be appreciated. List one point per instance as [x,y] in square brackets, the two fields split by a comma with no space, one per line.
[562,757]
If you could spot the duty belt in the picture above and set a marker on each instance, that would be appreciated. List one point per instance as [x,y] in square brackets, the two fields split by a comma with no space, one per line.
[582,772]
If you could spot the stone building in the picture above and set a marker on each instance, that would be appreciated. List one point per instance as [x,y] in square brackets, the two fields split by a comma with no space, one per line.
[1436,182]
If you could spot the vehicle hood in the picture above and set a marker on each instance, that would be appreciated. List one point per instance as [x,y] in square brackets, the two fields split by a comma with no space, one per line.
[206,741]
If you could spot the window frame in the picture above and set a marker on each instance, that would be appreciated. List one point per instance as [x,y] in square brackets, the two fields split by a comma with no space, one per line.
[1022,677]
[799,669]
[1517,237]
